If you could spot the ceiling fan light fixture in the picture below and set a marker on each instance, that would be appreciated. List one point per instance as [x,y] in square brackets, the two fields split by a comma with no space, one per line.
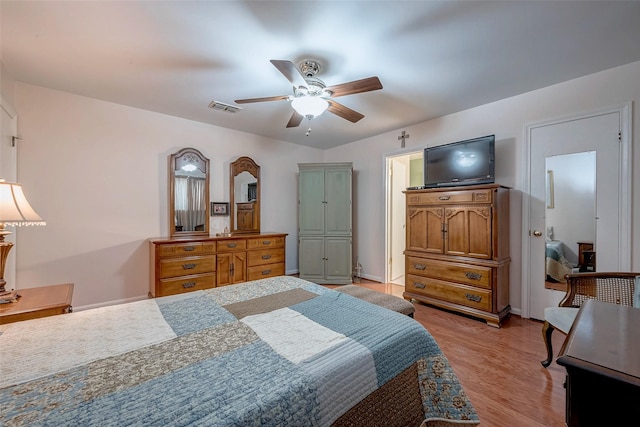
[309,106]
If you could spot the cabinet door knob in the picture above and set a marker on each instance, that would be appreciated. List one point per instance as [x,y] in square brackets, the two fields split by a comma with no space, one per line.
[537,233]
[231,245]
[266,256]
[420,285]
[188,266]
[473,276]
[189,248]
[188,285]
[444,197]
[419,266]
[265,272]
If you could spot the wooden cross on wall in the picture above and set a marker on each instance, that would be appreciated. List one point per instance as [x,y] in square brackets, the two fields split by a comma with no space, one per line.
[402,138]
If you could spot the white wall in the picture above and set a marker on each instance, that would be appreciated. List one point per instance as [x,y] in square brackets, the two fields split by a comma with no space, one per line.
[97,173]
[506,119]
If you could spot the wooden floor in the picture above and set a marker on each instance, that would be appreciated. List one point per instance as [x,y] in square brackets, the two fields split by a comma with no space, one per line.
[499,368]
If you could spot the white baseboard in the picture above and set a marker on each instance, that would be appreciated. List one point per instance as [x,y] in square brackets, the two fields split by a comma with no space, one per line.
[108,303]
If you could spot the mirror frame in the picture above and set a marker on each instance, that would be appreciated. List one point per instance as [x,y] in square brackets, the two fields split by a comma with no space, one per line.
[172,170]
[244,164]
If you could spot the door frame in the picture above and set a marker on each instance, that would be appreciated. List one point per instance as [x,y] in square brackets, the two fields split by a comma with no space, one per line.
[386,161]
[624,178]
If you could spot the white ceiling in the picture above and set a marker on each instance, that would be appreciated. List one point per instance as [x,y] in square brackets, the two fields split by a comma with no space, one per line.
[432,57]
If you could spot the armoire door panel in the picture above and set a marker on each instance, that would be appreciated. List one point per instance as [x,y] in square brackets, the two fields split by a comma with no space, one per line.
[338,258]
[456,229]
[338,201]
[311,202]
[480,232]
[312,265]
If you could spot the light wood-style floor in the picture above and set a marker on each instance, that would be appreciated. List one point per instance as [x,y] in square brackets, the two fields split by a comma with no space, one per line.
[499,369]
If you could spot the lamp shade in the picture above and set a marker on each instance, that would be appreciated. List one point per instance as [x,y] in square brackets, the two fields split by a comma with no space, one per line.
[15,210]
[310,106]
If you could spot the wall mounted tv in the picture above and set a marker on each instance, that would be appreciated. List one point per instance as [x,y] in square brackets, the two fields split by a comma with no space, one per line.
[466,162]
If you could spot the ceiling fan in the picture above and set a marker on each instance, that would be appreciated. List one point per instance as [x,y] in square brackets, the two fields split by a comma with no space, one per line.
[311,97]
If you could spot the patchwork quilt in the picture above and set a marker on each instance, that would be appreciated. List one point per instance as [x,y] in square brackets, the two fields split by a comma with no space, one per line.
[272,352]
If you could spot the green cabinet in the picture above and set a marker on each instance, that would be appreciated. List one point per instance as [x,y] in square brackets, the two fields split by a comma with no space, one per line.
[325,222]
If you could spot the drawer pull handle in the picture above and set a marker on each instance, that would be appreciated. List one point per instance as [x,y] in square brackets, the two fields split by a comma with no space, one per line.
[188,266]
[473,276]
[266,242]
[420,285]
[444,197]
[231,245]
[188,285]
[266,256]
[189,248]
[419,266]
[474,298]
[265,272]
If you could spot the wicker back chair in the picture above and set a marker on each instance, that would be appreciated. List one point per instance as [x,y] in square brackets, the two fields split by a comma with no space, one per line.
[615,288]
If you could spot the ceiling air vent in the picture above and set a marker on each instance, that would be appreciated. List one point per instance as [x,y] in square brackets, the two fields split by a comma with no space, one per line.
[221,106]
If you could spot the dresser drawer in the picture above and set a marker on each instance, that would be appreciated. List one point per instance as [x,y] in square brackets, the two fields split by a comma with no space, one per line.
[451,197]
[450,271]
[182,249]
[264,271]
[265,256]
[187,266]
[234,245]
[189,283]
[452,292]
[265,242]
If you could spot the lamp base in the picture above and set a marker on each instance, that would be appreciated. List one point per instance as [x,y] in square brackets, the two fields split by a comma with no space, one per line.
[5,248]
[11,296]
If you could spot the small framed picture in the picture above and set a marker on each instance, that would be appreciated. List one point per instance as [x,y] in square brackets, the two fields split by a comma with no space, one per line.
[219,209]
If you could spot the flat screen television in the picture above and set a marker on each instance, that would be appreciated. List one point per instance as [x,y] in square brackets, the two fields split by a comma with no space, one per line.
[467,162]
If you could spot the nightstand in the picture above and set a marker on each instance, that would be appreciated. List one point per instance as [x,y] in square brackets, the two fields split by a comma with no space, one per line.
[38,302]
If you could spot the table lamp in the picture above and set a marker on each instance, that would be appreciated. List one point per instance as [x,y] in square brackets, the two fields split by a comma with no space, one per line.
[16,211]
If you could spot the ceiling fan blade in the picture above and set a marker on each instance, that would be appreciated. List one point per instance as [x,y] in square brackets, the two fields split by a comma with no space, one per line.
[268,98]
[344,112]
[295,120]
[290,71]
[356,86]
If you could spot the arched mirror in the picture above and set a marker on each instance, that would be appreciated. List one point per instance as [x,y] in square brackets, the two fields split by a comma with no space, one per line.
[188,193]
[244,196]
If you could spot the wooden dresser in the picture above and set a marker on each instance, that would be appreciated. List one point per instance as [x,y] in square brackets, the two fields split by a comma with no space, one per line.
[457,250]
[189,264]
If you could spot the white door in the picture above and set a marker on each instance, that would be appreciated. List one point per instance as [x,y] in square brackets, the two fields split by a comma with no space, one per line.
[599,133]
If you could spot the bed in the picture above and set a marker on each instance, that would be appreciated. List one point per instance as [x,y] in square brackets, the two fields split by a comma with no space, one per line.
[556,264]
[272,352]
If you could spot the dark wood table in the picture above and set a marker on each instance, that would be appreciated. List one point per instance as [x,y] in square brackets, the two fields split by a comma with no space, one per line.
[602,358]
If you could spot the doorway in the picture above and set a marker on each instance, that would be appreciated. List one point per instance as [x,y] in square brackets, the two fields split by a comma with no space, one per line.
[606,134]
[403,170]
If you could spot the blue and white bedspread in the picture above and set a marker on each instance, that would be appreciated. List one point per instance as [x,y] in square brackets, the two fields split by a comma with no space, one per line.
[272,352]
